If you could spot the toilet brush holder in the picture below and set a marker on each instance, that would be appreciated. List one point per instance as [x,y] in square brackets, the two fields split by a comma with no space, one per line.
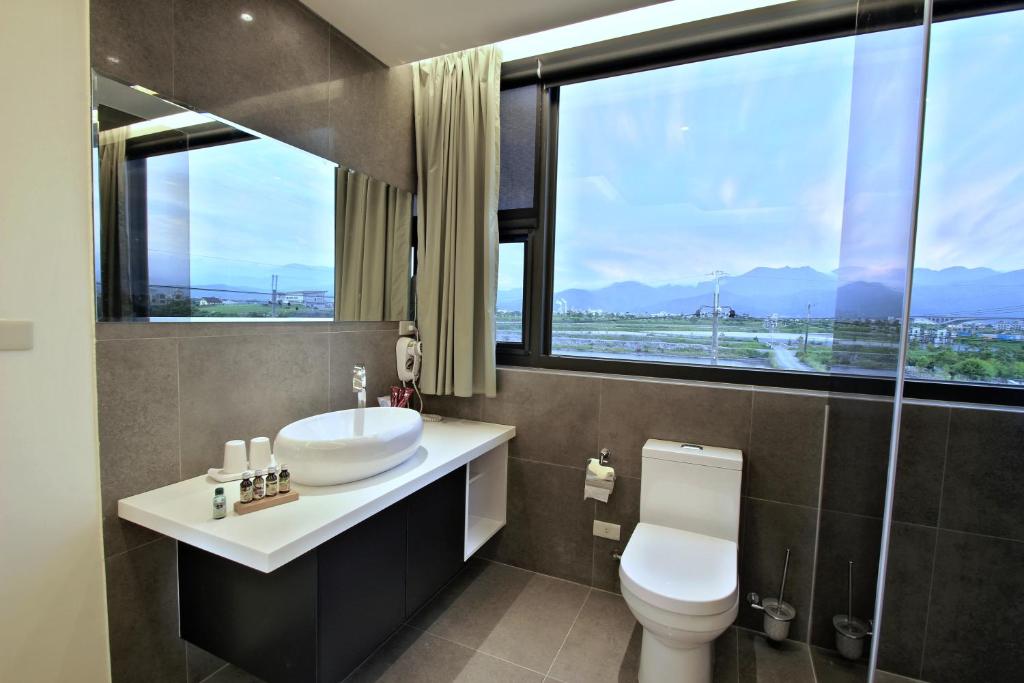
[851,635]
[778,616]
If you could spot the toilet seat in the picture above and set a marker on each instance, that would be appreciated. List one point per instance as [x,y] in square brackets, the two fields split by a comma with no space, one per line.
[680,571]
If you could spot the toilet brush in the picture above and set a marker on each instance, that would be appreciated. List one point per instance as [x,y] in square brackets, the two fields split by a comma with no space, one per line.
[851,632]
[778,614]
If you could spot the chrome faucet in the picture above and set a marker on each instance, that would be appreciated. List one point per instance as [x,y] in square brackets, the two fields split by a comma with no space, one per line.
[359,383]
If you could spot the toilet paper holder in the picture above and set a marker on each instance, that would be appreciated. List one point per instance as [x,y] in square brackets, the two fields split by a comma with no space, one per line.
[603,457]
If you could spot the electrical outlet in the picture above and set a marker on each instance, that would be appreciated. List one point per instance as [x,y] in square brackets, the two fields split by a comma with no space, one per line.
[607,530]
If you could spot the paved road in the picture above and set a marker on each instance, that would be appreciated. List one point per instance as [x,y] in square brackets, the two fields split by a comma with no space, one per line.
[787,360]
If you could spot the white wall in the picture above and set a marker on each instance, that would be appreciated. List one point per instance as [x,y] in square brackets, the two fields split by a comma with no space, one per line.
[52,605]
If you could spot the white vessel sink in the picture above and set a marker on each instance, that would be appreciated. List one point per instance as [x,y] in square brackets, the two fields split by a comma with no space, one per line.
[348,445]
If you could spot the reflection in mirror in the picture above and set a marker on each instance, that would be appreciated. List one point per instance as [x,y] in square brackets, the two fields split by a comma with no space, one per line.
[200,219]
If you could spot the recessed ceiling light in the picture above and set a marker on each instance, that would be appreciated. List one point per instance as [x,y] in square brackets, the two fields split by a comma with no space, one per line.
[245,16]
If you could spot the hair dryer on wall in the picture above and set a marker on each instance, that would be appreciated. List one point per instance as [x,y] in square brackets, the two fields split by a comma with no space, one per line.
[408,354]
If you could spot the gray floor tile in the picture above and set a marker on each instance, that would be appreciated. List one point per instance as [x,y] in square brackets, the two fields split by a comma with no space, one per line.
[830,667]
[764,661]
[506,612]
[726,666]
[603,645]
[414,656]
[232,674]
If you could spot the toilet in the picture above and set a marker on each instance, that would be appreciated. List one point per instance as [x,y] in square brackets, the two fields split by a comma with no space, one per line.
[678,571]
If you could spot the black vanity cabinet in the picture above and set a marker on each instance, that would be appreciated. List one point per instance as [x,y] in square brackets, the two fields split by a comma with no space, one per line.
[317,617]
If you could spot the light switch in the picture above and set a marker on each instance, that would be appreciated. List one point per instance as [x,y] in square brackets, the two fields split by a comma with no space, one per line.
[15,335]
[606,530]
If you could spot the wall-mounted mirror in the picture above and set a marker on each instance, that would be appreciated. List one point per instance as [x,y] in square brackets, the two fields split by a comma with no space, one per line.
[199,219]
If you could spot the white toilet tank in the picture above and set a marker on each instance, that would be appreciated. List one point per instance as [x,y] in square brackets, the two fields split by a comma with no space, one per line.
[691,487]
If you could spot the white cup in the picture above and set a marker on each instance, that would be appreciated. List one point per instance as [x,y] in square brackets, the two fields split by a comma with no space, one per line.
[259,453]
[234,456]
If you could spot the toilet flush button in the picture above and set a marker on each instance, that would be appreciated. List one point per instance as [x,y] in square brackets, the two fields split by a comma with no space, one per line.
[607,530]
[15,335]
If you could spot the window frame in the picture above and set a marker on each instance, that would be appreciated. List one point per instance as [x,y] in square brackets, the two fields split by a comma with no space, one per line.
[731,34]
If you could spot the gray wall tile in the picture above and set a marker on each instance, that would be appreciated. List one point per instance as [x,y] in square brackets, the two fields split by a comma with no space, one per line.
[769,528]
[907,585]
[633,411]
[984,476]
[142,612]
[784,462]
[549,527]
[856,455]
[269,74]
[367,97]
[920,463]
[242,387]
[115,29]
[622,508]
[555,416]
[376,350]
[974,626]
[137,391]
[454,406]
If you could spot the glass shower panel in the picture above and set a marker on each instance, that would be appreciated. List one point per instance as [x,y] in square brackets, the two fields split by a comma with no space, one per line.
[957,535]
[877,231]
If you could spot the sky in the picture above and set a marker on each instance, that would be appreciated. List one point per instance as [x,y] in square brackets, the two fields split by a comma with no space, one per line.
[730,164]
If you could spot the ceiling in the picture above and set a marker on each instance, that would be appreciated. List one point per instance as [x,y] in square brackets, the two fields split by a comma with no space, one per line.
[402,31]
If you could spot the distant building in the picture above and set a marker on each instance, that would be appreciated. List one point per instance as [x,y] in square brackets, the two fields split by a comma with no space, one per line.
[314,298]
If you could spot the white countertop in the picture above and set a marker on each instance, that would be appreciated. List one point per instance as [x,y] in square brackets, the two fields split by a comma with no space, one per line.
[268,539]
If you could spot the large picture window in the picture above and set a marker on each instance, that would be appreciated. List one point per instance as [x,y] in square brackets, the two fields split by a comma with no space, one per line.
[698,217]
[699,210]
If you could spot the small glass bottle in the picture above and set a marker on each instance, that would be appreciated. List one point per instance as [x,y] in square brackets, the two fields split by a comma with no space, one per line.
[271,481]
[220,503]
[245,488]
[259,486]
[284,480]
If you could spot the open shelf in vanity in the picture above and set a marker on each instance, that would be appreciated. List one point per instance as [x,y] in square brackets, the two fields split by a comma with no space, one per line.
[486,498]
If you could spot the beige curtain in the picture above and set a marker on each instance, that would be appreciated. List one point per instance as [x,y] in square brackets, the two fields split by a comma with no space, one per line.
[115,260]
[373,232]
[457,128]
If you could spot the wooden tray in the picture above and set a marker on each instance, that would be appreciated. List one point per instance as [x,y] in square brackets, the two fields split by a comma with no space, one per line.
[265,502]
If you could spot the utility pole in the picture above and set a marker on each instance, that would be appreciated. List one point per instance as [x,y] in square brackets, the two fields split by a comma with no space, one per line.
[807,325]
[715,311]
[273,296]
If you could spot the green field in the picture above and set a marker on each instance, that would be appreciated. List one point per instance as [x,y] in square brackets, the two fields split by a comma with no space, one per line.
[973,355]
[239,310]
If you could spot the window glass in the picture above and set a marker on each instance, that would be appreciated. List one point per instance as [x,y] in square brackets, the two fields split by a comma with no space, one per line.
[967,306]
[699,210]
[511,264]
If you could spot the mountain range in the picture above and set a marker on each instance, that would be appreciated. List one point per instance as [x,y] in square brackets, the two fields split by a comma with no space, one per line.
[787,291]
[760,292]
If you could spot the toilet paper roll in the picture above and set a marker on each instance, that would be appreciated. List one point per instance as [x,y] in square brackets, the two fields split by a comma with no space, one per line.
[595,470]
[599,482]
[596,492]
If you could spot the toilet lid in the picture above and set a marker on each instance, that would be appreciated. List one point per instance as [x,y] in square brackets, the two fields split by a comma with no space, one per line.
[680,571]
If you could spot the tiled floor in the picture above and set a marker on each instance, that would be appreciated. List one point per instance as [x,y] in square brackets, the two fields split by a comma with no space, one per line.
[499,624]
